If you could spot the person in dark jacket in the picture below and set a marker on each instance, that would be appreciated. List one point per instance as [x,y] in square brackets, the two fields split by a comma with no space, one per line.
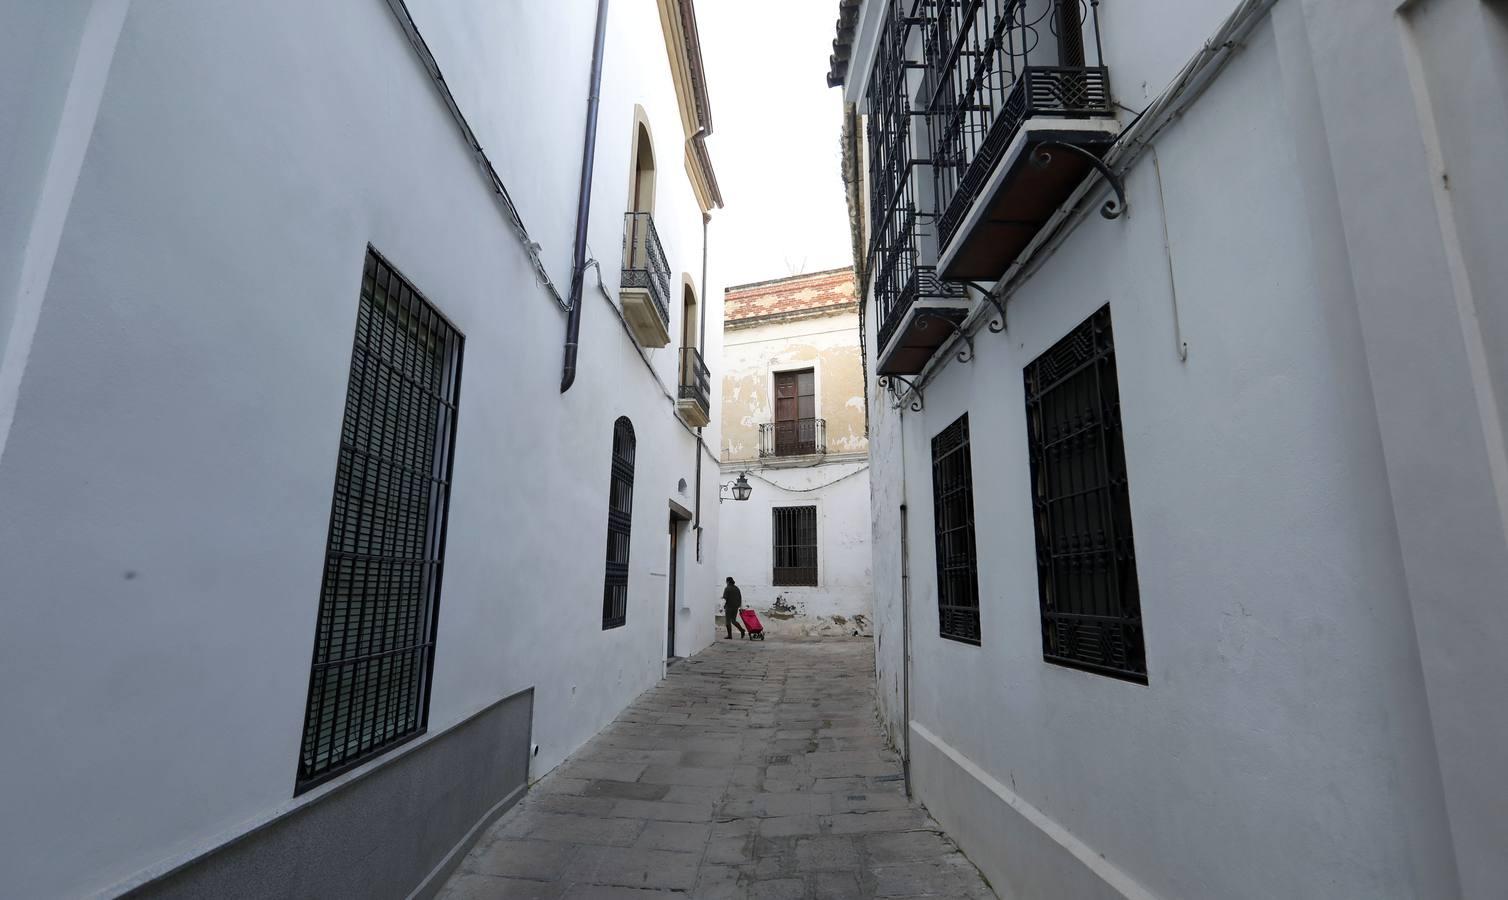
[733,599]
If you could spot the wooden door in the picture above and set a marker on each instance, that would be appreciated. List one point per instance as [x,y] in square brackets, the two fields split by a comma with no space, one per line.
[795,412]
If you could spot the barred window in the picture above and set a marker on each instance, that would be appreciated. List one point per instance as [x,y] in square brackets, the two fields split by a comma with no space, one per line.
[953,519]
[1086,560]
[620,508]
[375,636]
[795,545]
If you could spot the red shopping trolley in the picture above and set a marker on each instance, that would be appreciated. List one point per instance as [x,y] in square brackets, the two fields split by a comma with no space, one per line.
[751,624]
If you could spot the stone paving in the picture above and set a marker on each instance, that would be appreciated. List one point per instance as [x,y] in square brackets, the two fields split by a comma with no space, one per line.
[755,771]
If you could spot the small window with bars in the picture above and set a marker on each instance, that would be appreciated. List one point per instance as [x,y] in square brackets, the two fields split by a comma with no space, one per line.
[795,545]
[1086,560]
[953,520]
[620,509]
[375,635]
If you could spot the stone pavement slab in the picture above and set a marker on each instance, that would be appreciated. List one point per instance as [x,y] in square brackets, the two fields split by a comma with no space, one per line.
[753,771]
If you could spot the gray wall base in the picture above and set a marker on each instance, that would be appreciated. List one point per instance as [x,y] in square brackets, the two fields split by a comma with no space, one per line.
[397,831]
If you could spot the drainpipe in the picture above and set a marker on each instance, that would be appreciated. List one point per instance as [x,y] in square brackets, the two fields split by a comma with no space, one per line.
[905,618]
[701,348]
[584,201]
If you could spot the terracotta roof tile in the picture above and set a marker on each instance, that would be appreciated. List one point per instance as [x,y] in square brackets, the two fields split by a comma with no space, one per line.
[819,291]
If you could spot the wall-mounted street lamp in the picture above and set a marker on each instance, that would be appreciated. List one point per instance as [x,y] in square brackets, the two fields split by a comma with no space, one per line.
[740,487]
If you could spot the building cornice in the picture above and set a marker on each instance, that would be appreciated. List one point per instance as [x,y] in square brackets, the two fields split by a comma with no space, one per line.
[784,279]
[810,461]
[684,48]
[851,306]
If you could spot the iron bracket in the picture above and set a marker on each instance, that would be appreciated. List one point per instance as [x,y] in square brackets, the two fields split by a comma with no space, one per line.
[998,325]
[1113,208]
[923,320]
[888,381]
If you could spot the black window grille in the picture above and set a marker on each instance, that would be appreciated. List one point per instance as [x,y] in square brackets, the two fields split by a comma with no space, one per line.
[953,518]
[620,509]
[795,545]
[375,636]
[1086,561]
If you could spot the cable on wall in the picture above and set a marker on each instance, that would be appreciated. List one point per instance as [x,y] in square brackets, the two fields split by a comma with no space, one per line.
[1168,107]
[644,357]
[499,190]
[844,477]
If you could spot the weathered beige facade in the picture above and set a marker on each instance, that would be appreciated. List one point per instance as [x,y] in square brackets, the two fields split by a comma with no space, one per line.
[806,321]
[794,426]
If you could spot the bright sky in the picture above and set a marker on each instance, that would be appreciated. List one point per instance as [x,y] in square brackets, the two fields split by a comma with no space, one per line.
[774,144]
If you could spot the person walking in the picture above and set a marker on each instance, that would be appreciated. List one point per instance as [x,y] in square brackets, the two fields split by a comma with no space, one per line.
[733,600]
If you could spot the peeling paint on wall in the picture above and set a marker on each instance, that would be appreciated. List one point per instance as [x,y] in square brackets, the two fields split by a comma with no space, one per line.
[793,335]
[828,344]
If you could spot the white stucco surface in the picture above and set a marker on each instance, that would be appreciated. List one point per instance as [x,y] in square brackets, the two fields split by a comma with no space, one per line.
[1316,494]
[839,602]
[779,336]
[165,488]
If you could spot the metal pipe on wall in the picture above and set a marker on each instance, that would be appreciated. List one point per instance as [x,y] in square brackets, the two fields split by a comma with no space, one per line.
[702,347]
[584,202]
[905,617]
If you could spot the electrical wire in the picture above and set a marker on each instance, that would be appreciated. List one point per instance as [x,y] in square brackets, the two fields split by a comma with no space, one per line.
[844,477]
[432,67]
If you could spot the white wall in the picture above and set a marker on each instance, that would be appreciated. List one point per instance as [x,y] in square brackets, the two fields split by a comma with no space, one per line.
[837,484]
[164,492]
[839,603]
[1288,542]
[39,46]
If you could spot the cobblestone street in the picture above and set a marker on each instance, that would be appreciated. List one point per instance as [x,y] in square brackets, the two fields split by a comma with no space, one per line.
[755,770]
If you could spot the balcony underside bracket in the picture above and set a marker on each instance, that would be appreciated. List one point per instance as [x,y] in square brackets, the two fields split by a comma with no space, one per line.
[997,325]
[888,381]
[925,318]
[1113,208]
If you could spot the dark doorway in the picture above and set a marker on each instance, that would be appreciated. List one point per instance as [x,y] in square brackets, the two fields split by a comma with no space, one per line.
[674,561]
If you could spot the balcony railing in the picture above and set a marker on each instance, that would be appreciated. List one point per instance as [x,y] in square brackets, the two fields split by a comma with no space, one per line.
[696,382]
[792,437]
[644,264]
[901,248]
[991,65]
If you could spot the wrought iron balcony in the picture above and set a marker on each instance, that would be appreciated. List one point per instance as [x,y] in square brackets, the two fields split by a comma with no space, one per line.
[792,437]
[645,285]
[693,403]
[1019,111]
[907,292]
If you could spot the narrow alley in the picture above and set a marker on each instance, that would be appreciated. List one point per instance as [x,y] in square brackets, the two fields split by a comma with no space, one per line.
[753,771]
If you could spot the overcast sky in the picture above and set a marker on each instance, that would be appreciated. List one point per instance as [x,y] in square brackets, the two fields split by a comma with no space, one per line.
[774,144]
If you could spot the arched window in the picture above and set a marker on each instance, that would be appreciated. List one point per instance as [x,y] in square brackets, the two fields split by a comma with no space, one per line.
[641,198]
[688,317]
[620,507]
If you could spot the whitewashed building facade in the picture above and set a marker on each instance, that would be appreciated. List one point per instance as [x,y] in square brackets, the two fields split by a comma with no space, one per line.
[254,252]
[1189,325]
[794,426]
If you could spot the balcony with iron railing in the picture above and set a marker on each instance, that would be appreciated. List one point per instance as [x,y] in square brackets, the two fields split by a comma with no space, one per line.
[792,437]
[645,286]
[914,309]
[694,400]
[1019,112]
